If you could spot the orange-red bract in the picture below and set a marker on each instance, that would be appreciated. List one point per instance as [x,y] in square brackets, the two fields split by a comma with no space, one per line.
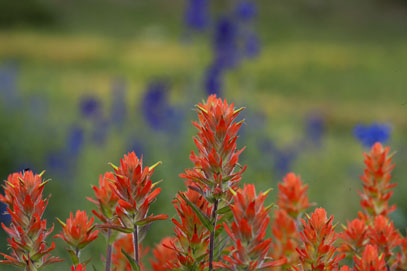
[217,158]
[135,191]
[376,182]
[165,258]
[27,231]
[78,231]
[79,267]
[318,237]
[248,233]
[292,195]
[370,261]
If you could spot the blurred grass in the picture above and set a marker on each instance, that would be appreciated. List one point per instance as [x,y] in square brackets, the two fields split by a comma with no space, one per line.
[344,59]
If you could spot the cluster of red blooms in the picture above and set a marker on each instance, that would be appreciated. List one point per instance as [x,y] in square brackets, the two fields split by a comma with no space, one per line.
[219,225]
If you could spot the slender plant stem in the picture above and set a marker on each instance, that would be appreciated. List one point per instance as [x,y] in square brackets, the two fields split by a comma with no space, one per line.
[135,242]
[212,236]
[108,251]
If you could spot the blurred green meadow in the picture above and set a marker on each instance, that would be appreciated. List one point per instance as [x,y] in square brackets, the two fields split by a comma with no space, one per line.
[344,60]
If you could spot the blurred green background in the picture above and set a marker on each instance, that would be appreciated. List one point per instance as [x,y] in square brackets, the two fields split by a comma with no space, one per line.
[345,61]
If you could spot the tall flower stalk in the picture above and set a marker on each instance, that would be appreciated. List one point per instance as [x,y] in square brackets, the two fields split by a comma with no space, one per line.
[106,201]
[216,170]
[27,231]
[135,192]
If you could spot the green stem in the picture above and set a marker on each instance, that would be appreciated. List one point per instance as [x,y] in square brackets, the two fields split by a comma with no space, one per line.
[212,236]
[135,242]
[108,251]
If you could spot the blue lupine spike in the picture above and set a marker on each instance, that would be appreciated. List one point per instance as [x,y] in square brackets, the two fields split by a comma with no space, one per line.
[90,106]
[214,80]
[8,84]
[314,128]
[246,10]
[75,140]
[368,135]
[226,43]
[119,109]
[4,217]
[197,14]
[251,45]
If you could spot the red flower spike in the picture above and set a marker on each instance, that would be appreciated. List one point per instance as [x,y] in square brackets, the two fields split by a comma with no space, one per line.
[119,260]
[384,236]
[192,237]
[135,192]
[285,239]
[165,258]
[27,231]
[217,158]
[318,237]
[292,195]
[354,237]
[78,231]
[370,261]
[105,198]
[249,246]
[79,267]
[376,182]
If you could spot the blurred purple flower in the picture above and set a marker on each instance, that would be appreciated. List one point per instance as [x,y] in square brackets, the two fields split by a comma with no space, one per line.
[226,43]
[8,84]
[314,128]
[90,106]
[75,141]
[156,109]
[251,45]
[119,109]
[214,80]
[100,130]
[197,14]
[282,159]
[370,134]
[246,10]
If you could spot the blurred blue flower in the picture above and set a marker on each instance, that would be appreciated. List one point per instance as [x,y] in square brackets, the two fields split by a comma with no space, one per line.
[118,110]
[246,10]
[136,146]
[226,43]
[8,83]
[156,109]
[370,134]
[90,106]
[100,131]
[282,159]
[75,141]
[197,14]
[214,80]
[251,45]
[314,129]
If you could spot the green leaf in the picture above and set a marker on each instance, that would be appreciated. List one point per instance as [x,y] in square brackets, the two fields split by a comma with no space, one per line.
[223,210]
[204,219]
[133,263]
[74,258]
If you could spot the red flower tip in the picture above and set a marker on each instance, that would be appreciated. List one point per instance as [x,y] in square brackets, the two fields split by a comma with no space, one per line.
[370,261]
[248,231]
[216,163]
[78,231]
[79,267]
[318,237]
[376,182]
[292,195]
[354,237]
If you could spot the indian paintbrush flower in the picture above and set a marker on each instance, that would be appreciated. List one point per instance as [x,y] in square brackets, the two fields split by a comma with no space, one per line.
[376,182]
[370,261]
[292,195]
[354,237]
[248,233]
[165,258]
[27,231]
[216,172]
[79,267]
[135,191]
[77,232]
[318,237]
